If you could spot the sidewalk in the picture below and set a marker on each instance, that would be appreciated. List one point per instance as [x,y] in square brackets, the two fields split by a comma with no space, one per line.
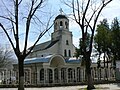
[114,86]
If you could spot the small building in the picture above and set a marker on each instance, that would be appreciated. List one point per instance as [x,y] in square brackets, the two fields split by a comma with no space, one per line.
[7,76]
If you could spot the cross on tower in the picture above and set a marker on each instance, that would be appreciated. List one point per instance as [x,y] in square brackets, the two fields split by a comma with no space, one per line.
[61,11]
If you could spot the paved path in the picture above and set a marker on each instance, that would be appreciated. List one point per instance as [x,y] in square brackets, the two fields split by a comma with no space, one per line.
[100,86]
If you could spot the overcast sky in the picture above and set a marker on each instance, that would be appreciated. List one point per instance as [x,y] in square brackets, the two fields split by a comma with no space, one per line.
[110,12]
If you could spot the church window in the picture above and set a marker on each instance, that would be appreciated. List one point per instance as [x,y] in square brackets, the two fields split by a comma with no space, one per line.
[42,75]
[61,23]
[27,76]
[70,74]
[56,75]
[67,43]
[69,53]
[66,24]
[65,53]
[63,74]
[50,75]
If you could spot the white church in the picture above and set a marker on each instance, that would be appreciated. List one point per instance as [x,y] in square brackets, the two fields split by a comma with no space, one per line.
[53,62]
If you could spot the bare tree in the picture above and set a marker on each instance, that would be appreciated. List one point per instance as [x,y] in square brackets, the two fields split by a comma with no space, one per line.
[86,14]
[6,57]
[17,21]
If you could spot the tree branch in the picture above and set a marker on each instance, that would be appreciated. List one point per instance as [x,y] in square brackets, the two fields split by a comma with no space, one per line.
[39,20]
[74,11]
[27,53]
[84,13]
[7,8]
[13,29]
[95,21]
[16,24]
[30,15]
[7,18]
[8,36]
[19,2]
[28,26]
[78,12]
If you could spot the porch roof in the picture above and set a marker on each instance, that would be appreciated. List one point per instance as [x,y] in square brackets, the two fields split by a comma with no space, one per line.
[37,60]
[47,60]
[72,61]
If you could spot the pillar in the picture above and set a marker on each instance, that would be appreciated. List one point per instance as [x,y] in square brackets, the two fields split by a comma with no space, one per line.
[75,79]
[59,70]
[81,74]
[45,75]
[53,75]
[67,74]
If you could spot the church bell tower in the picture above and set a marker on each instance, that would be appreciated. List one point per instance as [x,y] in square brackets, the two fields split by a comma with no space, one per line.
[63,35]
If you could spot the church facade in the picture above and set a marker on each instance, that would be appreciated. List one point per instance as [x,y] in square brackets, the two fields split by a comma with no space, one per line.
[53,62]
[60,43]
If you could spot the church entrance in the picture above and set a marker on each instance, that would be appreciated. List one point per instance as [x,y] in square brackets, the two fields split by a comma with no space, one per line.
[57,61]
[59,73]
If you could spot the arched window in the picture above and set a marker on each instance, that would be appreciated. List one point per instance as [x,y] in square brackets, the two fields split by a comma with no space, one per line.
[25,73]
[67,43]
[66,25]
[50,75]
[65,53]
[27,76]
[69,53]
[63,74]
[61,23]
[42,75]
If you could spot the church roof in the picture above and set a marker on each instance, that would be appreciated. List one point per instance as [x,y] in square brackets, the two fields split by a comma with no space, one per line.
[47,59]
[44,45]
[37,60]
[51,44]
[73,61]
[61,17]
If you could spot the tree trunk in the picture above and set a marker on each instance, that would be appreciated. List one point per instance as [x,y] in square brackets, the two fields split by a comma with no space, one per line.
[88,72]
[21,73]
[100,73]
[90,82]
